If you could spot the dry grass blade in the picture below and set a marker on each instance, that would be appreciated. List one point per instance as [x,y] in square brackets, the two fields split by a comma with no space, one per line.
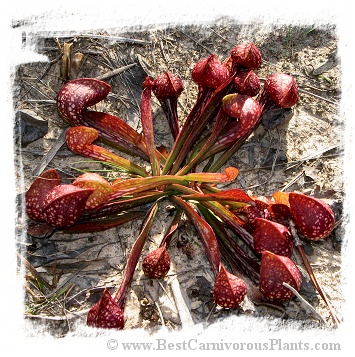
[34,272]
[65,282]
[116,71]
[58,318]
[318,96]
[305,303]
[310,272]
[161,316]
[65,64]
[313,156]
[184,312]
[292,181]
[51,153]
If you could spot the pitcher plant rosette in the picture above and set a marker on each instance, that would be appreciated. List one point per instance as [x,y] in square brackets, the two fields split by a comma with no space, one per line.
[232,101]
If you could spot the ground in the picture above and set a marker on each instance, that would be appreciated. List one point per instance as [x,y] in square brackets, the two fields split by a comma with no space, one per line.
[304,153]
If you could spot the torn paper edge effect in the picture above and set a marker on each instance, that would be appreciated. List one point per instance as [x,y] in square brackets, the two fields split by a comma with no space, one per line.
[62,16]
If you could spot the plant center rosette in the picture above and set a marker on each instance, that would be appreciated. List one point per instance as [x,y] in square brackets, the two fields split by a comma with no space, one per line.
[232,102]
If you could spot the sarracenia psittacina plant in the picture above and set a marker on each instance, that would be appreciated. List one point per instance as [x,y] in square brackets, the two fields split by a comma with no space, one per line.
[231,102]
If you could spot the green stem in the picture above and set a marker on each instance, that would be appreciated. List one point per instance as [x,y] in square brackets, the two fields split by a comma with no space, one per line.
[224,214]
[203,96]
[136,185]
[226,156]
[217,130]
[192,129]
[121,205]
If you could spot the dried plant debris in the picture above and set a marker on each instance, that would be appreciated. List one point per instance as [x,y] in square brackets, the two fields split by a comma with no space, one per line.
[79,259]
